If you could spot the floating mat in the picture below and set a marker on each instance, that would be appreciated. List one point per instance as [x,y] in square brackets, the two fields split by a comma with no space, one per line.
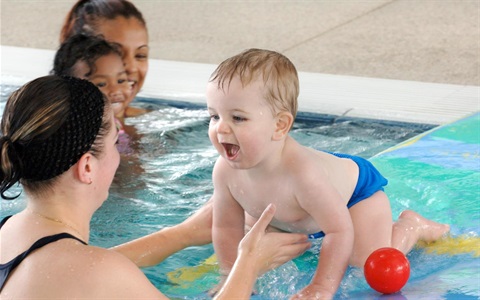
[439,169]
[189,274]
[453,245]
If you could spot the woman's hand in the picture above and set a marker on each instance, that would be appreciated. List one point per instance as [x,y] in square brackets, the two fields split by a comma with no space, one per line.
[258,252]
[271,249]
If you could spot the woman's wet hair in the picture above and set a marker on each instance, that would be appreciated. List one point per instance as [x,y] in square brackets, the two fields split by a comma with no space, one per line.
[47,125]
[82,47]
[86,14]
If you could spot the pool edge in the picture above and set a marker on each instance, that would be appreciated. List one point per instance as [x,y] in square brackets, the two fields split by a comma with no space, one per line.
[361,97]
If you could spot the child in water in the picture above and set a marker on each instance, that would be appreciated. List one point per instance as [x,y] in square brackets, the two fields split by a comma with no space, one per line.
[100,62]
[252,102]
[119,22]
[92,58]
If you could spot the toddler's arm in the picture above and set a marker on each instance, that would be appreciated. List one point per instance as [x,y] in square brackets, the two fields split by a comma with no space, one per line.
[227,230]
[228,221]
[333,261]
[325,205]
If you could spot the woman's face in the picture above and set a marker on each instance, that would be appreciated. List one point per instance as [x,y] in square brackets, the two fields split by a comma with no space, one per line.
[132,36]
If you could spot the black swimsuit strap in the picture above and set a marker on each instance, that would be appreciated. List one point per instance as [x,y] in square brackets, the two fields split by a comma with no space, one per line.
[42,242]
[47,239]
[4,220]
[11,265]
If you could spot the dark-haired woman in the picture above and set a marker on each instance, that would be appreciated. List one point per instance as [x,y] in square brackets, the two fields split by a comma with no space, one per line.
[58,140]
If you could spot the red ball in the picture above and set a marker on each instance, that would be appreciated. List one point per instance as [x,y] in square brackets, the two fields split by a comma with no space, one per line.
[387,270]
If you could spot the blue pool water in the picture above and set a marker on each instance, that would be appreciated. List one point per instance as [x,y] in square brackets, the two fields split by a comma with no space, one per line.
[165,175]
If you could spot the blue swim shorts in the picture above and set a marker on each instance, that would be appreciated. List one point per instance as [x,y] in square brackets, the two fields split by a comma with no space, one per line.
[369,182]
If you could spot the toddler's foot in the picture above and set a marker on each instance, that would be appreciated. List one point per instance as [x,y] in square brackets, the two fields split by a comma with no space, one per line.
[429,230]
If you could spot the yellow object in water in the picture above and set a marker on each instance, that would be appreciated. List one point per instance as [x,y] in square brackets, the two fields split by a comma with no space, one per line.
[450,245]
[462,244]
[189,274]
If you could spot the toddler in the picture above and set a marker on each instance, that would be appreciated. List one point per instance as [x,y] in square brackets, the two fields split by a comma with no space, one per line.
[252,102]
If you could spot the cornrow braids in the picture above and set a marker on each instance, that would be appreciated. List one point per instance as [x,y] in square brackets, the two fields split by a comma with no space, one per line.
[82,47]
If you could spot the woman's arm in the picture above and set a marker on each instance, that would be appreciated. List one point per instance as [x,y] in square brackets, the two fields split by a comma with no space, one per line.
[154,248]
[258,252]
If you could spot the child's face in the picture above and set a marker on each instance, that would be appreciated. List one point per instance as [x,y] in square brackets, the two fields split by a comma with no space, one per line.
[241,123]
[132,36]
[111,78]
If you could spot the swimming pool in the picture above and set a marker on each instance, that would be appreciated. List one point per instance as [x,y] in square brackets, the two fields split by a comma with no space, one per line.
[165,176]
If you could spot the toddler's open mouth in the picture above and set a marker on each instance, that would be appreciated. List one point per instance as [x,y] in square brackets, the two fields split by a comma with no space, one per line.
[231,150]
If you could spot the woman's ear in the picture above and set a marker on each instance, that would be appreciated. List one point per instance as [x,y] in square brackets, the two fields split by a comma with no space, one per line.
[284,121]
[85,168]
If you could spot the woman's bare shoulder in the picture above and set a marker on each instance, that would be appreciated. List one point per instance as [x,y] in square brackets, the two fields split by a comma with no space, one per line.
[116,273]
[69,269]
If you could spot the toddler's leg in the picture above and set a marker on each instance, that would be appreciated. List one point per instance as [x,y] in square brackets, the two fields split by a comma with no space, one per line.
[372,222]
[412,227]
[374,228]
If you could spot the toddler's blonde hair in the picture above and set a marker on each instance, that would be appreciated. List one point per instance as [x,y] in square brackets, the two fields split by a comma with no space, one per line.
[277,72]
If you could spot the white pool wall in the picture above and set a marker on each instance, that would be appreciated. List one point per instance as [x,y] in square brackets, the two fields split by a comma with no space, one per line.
[373,98]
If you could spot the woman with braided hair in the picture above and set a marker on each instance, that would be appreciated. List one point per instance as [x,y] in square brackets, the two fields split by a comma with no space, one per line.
[58,141]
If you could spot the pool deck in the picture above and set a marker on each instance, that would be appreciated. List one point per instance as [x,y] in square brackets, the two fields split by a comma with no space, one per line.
[412,61]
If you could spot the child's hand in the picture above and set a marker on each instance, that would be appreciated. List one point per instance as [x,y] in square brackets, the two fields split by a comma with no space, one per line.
[312,291]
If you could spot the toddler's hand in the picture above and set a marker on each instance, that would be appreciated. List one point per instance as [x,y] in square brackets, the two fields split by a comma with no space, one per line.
[312,291]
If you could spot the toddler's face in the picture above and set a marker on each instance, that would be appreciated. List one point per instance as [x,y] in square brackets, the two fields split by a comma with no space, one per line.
[241,122]
[111,78]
